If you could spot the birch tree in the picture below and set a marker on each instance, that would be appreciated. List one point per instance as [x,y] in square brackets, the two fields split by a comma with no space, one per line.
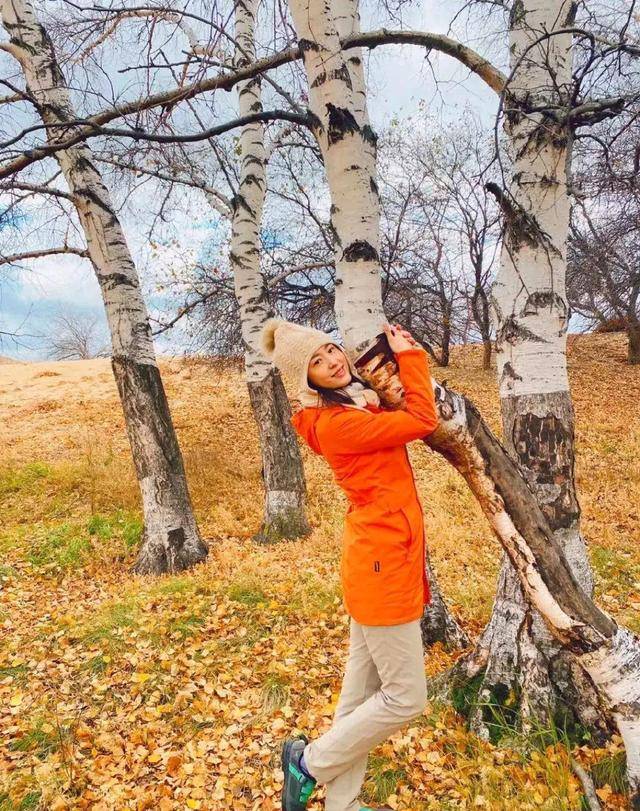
[530,317]
[284,513]
[171,539]
[283,477]
[609,655]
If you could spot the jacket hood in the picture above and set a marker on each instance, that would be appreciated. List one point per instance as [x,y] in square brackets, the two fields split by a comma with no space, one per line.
[305,422]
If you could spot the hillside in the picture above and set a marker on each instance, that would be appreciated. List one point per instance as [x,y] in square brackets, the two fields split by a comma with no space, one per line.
[125,692]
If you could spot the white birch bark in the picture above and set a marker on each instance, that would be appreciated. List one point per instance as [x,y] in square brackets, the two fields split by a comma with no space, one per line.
[530,313]
[609,655]
[529,296]
[358,299]
[348,150]
[285,489]
[171,540]
[347,23]
[248,205]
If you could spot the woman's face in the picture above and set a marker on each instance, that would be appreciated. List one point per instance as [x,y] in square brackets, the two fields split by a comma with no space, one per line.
[329,368]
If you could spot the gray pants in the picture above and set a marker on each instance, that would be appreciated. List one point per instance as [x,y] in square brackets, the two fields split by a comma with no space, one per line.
[384,687]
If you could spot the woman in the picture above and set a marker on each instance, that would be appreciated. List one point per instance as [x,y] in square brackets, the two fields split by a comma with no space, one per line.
[383,576]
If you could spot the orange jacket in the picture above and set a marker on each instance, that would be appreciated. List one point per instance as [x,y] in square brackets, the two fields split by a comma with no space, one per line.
[382,567]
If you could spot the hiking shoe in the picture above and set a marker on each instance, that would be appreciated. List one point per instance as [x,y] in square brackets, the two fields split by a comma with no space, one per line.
[297,786]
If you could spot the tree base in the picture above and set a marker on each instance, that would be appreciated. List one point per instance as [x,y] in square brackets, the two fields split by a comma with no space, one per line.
[282,472]
[531,684]
[170,552]
[286,525]
[438,624]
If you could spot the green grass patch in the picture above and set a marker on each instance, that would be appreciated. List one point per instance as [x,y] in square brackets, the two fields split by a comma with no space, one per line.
[499,708]
[275,692]
[247,593]
[186,626]
[41,739]
[13,538]
[22,479]
[383,778]
[17,672]
[31,800]
[108,625]
[500,712]
[464,694]
[66,546]
[72,544]
[253,629]
[314,596]
[616,571]
[611,771]
[176,585]
[122,525]
[97,665]
[7,572]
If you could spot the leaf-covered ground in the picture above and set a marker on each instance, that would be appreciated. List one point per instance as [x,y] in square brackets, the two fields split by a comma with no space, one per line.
[121,692]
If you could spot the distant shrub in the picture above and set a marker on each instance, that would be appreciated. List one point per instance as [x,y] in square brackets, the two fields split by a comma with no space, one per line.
[613,325]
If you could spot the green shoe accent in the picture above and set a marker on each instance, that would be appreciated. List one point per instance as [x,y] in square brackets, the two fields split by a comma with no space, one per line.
[298,774]
[298,787]
[306,790]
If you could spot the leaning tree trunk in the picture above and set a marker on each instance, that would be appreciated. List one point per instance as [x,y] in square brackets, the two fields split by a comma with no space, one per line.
[608,654]
[171,540]
[530,311]
[338,94]
[604,657]
[284,484]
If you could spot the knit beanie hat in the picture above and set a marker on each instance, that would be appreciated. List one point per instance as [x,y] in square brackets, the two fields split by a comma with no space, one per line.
[290,347]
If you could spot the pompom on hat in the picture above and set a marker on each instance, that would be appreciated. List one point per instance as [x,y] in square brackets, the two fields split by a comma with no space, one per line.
[290,347]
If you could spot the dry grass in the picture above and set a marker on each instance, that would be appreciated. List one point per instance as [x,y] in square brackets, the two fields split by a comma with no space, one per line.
[123,692]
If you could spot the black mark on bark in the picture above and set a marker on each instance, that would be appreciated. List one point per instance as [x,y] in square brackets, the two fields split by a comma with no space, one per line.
[360,251]
[111,280]
[512,332]
[369,135]
[544,299]
[341,122]
[544,447]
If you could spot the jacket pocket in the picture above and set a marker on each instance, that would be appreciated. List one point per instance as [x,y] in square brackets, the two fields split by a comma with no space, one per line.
[376,539]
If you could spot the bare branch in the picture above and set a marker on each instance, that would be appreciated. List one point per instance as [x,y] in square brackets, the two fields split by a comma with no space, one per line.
[36,189]
[437,42]
[298,269]
[13,259]
[83,133]
[227,80]
[223,204]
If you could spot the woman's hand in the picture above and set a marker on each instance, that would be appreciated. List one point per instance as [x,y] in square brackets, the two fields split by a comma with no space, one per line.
[399,338]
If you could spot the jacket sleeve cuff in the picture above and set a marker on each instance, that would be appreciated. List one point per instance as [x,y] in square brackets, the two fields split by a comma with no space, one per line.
[414,350]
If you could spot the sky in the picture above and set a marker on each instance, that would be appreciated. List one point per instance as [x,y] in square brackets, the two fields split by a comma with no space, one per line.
[399,78]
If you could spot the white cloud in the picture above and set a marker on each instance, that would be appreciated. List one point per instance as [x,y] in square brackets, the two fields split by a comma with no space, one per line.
[64,277]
